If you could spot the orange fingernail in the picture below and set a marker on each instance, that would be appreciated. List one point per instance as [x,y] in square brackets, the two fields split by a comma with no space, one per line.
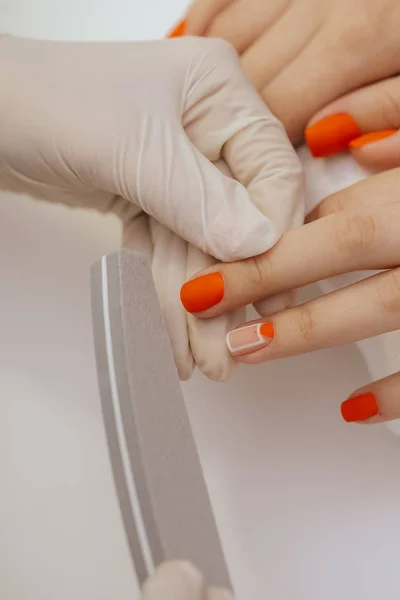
[179,30]
[370,138]
[331,135]
[203,292]
[359,408]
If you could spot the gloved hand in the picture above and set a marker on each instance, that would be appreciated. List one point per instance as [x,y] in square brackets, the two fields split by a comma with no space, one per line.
[134,128]
[180,581]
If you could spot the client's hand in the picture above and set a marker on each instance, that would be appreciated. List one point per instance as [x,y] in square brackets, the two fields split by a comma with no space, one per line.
[180,581]
[303,54]
[364,122]
[135,128]
[353,230]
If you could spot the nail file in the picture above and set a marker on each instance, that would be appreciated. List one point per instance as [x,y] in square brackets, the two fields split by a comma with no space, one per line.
[162,494]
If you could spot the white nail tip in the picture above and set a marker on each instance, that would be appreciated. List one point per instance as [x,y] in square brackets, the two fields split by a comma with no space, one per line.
[254,331]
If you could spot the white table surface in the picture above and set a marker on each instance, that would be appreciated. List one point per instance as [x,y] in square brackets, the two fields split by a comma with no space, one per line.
[308,507]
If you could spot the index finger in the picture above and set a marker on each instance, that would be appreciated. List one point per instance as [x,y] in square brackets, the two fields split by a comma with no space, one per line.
[339,243]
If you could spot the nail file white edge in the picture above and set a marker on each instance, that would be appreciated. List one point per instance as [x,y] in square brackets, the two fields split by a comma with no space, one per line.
[110,395]
[163,497]
[130,481]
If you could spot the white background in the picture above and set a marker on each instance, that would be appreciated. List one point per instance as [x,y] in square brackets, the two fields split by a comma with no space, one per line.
[308,507]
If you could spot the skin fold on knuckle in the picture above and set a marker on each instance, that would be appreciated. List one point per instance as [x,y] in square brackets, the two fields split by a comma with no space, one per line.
[303,326]
[351,33]
[254,273]
[389,103]
[354,235]
[388,292]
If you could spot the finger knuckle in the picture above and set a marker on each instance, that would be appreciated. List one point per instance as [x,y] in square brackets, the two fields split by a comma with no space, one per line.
[356,32]
[257,269]
[305,323]
[390,103]
[355,234]
[389,292]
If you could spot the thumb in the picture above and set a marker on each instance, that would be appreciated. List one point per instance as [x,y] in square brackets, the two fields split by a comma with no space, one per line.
[365,122]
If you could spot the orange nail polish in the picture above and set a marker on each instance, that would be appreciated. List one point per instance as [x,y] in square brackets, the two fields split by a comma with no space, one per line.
[267,330]
[203,292]
[331,135]
[179,30]
[370,138]
[359,408]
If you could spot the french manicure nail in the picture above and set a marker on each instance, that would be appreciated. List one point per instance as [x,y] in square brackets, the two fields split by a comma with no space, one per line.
[370,138]
[249,338]
[331,135]
[203,292]
[179,30]
[359,408]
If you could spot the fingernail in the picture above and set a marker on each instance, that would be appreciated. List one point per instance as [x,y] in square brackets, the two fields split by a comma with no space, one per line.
[331,135]
[203,292]
[179,30]
[359,408]
[250,338]
[370,138]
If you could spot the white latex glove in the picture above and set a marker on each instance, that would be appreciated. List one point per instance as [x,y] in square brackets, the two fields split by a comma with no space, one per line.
[134,128]
[180,581]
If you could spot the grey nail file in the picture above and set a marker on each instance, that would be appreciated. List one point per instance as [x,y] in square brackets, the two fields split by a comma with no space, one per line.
[158,476]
